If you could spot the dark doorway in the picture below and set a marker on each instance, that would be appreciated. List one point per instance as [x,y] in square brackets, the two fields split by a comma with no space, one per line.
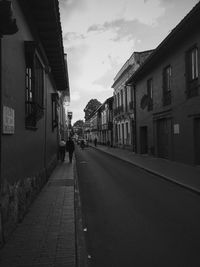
[122,133]
[164,138]
[143,140]
[197,140]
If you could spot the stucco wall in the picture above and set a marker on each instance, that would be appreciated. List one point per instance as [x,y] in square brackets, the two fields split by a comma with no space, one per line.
[181,107]
[27,155]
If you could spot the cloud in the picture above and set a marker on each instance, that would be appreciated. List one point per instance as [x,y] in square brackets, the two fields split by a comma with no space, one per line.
[75,96]
[78,15]
[99,37]
[73,36]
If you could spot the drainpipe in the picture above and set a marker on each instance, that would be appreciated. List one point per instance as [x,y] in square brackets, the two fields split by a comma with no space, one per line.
[0,103]
[135,121]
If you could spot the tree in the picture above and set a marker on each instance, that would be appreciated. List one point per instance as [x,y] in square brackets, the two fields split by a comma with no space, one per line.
[78,127]
[91,107]
[78,123]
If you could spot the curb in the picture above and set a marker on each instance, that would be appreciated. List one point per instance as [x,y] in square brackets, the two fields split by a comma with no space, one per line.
[166,178]
[80,244]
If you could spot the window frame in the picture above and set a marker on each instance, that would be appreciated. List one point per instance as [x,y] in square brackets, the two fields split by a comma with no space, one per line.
[167,85]
[150,93]
[54,109]
[34,85]
[192,71]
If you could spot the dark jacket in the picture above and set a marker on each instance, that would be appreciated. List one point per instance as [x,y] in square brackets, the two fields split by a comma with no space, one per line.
[70,146]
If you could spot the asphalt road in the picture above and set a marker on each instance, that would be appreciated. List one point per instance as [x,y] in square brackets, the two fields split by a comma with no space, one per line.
[134,218]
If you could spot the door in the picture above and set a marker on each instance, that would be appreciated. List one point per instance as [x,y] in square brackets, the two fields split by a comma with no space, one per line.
[122,133]
[197,140]
[143,140]
[164,138]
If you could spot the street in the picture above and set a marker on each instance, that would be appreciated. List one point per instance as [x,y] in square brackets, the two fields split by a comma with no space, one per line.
[133,218]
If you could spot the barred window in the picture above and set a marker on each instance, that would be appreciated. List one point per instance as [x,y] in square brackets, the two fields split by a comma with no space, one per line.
[34,80]
[167,73]
[54,103]
[192,72]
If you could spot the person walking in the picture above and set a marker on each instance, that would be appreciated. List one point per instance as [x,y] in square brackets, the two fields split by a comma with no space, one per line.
[82,144]
[70,148]
[62,149]
[95,141]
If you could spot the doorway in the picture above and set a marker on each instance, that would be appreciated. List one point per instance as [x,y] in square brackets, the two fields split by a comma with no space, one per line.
[164,138]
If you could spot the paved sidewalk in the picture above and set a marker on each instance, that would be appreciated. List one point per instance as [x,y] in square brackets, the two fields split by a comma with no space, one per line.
[46,236]
[181,174]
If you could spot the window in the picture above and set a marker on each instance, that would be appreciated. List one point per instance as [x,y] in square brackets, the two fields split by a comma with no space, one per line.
[122,101]
[126,98]
[34,82]
[131,96]
[192,72]
[150,94]
[127,134]
[167,72]
[118,104]
[54,103]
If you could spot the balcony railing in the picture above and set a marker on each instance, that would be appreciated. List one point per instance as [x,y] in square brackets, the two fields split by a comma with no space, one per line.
[34,112]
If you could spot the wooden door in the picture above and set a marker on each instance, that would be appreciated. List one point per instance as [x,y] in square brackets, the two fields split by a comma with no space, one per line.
[164,138]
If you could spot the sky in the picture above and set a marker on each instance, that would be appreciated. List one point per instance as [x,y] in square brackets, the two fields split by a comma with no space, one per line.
[100,35]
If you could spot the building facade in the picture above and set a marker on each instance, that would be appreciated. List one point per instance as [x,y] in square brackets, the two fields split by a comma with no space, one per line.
[106,123]
[32,73]
[167,89]
[123,113]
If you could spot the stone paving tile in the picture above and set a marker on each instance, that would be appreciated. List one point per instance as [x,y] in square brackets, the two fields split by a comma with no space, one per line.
[46,237]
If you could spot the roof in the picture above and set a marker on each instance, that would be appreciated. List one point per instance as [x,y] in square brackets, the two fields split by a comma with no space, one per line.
[46,18]
[134,60]
[188,25]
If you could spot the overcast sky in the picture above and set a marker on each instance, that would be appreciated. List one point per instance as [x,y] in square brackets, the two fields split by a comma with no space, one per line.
[100,35]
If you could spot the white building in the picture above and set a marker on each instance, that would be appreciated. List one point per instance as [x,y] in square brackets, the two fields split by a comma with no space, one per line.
[123,115]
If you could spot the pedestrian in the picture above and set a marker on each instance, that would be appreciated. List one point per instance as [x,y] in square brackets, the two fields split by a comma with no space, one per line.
[95,141]
[62,149]
[70,148]
[82,144]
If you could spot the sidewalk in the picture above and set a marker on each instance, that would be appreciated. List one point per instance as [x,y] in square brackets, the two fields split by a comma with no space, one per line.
[46,236]
[181,174]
